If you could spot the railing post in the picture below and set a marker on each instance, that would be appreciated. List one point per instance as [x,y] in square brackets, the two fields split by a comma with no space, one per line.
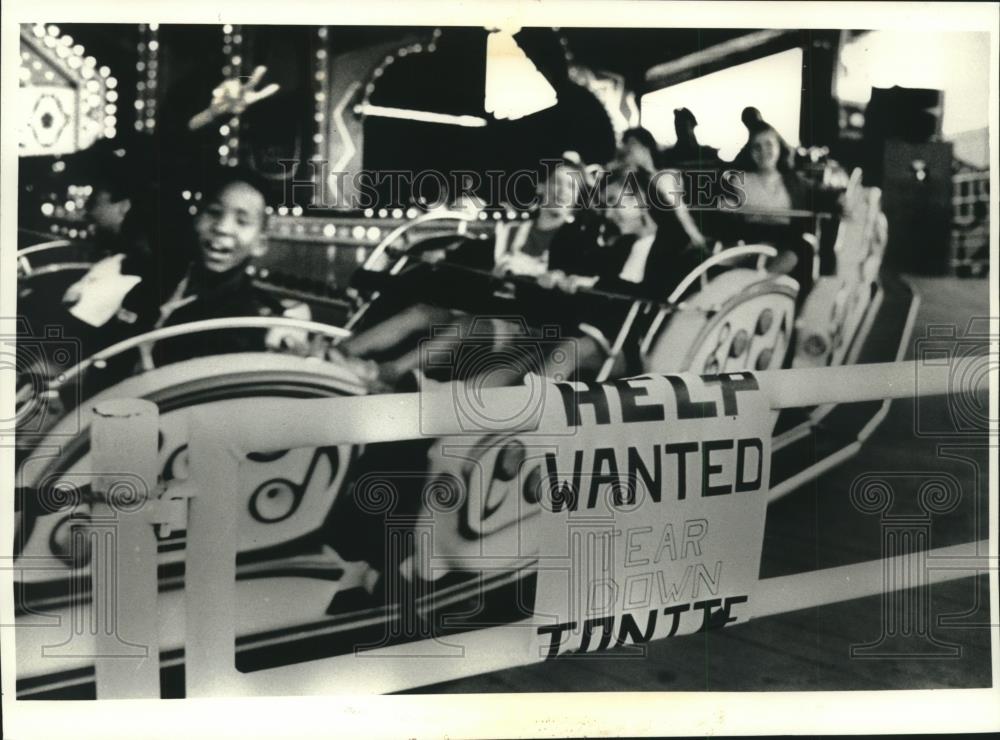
[210,573]
[124,612]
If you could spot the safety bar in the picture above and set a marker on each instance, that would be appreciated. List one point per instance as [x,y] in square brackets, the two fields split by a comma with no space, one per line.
[44,247]
[194,327]
[403,228]
[726,255]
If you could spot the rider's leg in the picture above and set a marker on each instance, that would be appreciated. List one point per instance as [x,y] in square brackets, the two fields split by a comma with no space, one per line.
[394,330]
[432,352]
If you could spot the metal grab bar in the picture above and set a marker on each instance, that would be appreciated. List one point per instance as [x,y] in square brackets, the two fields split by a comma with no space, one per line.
[239,322]
[403,228]
[44,247]
[762,250]
[776,212]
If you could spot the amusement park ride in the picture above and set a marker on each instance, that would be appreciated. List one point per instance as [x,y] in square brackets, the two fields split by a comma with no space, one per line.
[217,526]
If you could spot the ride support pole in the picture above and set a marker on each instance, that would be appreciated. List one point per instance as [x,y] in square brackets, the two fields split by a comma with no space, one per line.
[124,615]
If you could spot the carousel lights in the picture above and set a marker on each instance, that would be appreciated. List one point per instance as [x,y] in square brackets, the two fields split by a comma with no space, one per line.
[319,94]
[232,42]
[366,108]
[61,53]
[146,83]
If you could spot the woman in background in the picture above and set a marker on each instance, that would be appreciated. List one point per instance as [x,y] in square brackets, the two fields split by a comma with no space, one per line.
[763,174]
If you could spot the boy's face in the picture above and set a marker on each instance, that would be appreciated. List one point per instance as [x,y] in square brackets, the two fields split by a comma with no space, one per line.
[231,228]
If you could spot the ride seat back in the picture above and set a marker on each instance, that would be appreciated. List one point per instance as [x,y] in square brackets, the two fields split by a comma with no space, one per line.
[741,320]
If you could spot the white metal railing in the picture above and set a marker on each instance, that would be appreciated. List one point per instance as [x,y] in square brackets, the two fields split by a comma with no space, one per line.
[220,439]
[195,327]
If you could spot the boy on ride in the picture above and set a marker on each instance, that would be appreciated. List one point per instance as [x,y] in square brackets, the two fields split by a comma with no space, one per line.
[228,233]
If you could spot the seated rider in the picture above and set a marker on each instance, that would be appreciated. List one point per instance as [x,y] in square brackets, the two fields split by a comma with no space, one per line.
[645,264]
[763,173]
[561,230]
[229,232]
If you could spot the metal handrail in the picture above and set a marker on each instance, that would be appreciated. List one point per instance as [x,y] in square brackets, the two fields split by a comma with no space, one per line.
[194,327]
[43,247]
[403,228]
[776,212]
[762,250]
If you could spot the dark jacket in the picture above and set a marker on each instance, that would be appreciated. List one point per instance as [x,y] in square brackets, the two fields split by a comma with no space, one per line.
[667,263]
[579,247]
[216,297]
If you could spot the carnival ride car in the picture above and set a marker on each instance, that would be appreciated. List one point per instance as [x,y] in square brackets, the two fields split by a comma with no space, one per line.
[304,593]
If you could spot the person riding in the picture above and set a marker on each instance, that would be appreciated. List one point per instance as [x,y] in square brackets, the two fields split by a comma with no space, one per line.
[213,283]
[640,153]
[644,264]
[563,237]
[763,173]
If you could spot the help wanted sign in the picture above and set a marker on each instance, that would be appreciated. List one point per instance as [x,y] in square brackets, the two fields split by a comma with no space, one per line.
[653,507]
